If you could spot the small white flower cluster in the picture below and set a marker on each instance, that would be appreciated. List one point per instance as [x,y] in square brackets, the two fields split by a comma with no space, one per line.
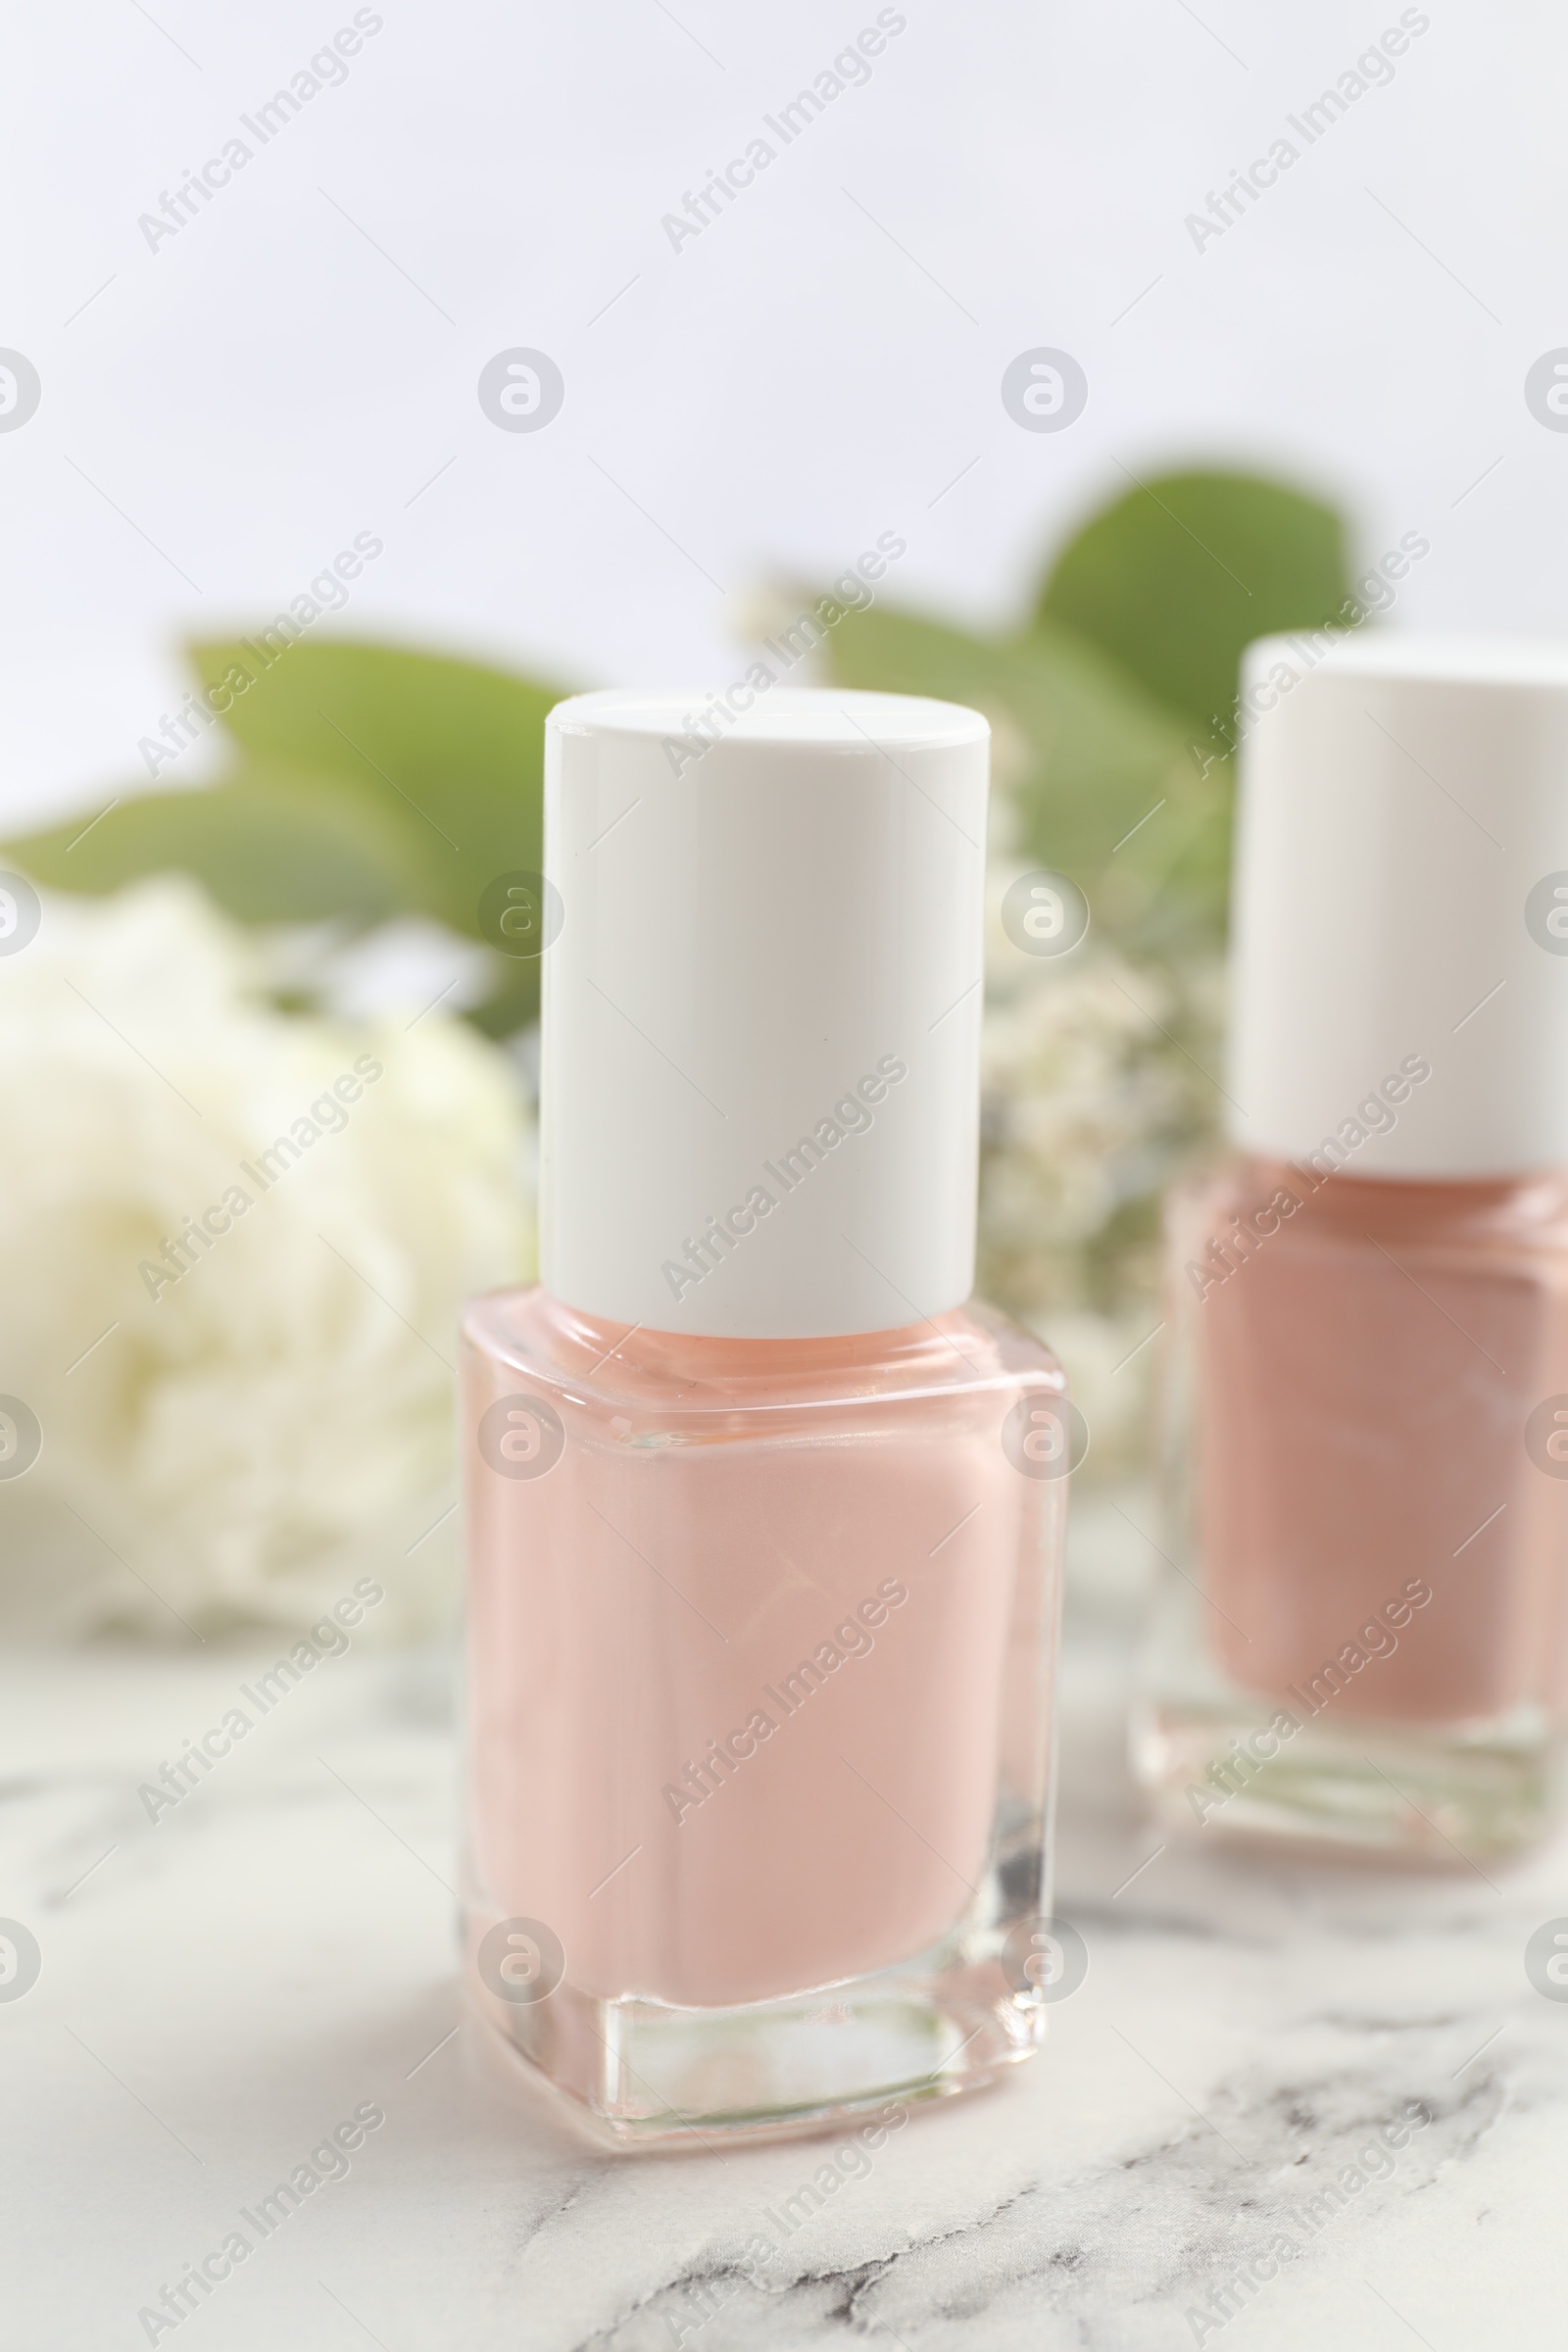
[1089,1104]
[239,1442]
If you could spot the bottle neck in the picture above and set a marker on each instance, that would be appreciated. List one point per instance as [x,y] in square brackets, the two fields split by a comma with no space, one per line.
[1375,1204]
[967,1345]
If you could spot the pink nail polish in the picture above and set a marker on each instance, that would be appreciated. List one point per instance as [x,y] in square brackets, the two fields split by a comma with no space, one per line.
[1365,1641]
[765,1517]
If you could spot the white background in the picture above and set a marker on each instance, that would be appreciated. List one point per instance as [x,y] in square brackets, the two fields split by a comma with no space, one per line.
[227,410]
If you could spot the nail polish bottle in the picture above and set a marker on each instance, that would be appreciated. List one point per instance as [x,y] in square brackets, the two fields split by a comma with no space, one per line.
[765,1515]
[1361,1639]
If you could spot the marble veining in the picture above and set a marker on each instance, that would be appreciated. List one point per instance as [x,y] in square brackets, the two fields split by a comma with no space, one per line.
[220,1985]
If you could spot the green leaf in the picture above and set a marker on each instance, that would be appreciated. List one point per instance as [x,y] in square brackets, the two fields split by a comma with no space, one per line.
[1089,756]
[270,847]
[452,753]
[1177,576]
[513,1005]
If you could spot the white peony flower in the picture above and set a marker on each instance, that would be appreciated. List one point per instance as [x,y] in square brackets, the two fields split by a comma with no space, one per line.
[233,1244]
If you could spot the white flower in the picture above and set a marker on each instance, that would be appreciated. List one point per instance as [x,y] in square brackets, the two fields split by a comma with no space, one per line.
[1088,1103]
[233,1243]
[1093,1091]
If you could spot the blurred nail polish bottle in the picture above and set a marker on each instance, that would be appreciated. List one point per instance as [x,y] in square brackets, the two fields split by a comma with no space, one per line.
[765,1517]
[1363,1639]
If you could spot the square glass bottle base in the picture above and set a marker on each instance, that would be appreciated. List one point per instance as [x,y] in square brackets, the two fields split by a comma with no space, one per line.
[639,2073]
[1430,1793]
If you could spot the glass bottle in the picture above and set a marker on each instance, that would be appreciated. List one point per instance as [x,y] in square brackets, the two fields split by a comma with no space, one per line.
[1361,1640]
[762,1636]
[1360,1636]
[764,1518]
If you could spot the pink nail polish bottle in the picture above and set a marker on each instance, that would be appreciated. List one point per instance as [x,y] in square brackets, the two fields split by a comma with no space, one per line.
[1363,1637]
[765,1515]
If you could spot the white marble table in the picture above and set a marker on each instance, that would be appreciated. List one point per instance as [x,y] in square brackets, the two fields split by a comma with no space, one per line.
[221,1989]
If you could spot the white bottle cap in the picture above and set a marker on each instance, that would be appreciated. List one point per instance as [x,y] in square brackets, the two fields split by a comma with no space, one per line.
[761,1023]
[1402,904]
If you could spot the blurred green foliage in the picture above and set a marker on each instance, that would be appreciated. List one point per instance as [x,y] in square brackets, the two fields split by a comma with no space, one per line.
[1175,578]
[368,780]
[1114,708]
